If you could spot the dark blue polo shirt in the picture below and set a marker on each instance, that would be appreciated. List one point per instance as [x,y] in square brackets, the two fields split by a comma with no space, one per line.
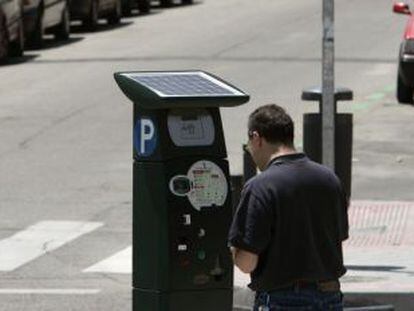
[294,216]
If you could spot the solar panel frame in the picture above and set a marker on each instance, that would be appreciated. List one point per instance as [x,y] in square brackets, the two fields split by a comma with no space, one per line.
[184,84]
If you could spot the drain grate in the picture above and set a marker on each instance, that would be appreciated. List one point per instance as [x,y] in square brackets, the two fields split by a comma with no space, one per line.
[377,223]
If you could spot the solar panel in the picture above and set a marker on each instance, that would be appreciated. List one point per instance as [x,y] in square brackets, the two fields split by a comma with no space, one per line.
[183,84]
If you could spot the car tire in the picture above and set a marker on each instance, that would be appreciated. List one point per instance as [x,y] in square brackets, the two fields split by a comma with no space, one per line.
[166,3]
[404,92]
[144,6]
[35,40]
[63,29]
[16,48]
[91,22]
[116,15]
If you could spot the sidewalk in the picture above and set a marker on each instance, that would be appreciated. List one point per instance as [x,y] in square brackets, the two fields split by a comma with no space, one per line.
[379,256]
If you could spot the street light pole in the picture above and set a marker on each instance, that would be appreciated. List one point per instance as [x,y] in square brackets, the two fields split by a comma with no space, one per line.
[328,86]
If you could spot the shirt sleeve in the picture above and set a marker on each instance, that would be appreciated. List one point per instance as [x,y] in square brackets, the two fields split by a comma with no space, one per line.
[252,222]
[344,210]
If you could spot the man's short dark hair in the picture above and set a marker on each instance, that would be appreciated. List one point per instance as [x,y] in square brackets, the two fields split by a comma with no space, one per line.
[272,123]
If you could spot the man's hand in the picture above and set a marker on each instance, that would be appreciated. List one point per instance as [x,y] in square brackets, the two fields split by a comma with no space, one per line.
[244,260]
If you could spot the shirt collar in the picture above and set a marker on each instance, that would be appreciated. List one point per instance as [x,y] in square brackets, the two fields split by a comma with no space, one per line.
[286,158]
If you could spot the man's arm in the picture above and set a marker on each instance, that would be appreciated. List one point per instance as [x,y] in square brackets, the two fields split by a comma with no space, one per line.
[244,260]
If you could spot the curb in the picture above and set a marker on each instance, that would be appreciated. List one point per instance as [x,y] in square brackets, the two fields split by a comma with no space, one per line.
[243,299]
[377,308]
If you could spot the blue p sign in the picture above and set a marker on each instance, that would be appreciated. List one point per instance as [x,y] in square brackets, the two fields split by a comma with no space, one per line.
[145,137]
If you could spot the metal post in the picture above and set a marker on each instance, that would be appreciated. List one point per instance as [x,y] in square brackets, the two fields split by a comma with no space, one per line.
[328,86]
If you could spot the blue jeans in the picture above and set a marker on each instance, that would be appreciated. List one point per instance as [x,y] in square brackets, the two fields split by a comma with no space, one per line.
[298,300]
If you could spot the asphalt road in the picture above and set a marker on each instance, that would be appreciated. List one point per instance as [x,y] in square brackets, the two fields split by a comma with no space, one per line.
[65,128]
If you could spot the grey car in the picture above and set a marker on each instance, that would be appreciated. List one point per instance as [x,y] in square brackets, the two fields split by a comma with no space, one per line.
[45,16]
[89,11]
[11,28]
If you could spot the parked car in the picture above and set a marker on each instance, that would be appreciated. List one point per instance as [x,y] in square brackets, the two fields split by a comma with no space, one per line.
[11,29]
[144,6]
[405,76]
[168,3]
[45,16]
[89,11]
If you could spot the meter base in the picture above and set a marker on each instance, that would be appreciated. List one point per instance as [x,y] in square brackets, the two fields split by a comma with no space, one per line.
[200,300]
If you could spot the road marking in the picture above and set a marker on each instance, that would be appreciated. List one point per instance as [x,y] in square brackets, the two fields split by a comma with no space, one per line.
[121,262]
[389,88]
[373,99]
[381,70]
[376,96]
[48,291]
[39,239]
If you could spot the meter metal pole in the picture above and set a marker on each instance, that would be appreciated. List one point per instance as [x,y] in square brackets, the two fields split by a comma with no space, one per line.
[328,86]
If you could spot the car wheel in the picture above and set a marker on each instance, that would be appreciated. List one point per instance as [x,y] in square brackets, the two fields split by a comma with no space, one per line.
[36,38]
[4,39]
[116,15]
[92,21]
[63,29]
[166,3]
[144,6]
[17,47]
[404,92]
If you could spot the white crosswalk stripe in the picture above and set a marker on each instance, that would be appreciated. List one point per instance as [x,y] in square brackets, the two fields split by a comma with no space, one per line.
[48,291]
[38,239]
[121,262]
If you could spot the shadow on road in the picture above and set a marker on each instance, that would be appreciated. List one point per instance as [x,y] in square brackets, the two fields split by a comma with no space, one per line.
[10,61]
[50,43]
[138,14]
[103,26]
[176,5]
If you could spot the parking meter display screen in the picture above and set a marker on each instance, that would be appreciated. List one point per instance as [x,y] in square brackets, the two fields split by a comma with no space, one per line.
[191,127]
[207,182]
[183,84]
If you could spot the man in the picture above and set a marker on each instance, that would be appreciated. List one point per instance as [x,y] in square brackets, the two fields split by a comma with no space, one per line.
[289,226]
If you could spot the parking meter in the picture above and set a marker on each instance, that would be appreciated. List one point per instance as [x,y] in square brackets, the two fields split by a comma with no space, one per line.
[181,192]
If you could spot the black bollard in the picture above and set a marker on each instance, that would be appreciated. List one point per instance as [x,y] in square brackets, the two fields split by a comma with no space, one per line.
[312,134]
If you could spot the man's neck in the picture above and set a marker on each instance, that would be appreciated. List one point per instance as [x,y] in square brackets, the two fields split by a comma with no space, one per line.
[282,151]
